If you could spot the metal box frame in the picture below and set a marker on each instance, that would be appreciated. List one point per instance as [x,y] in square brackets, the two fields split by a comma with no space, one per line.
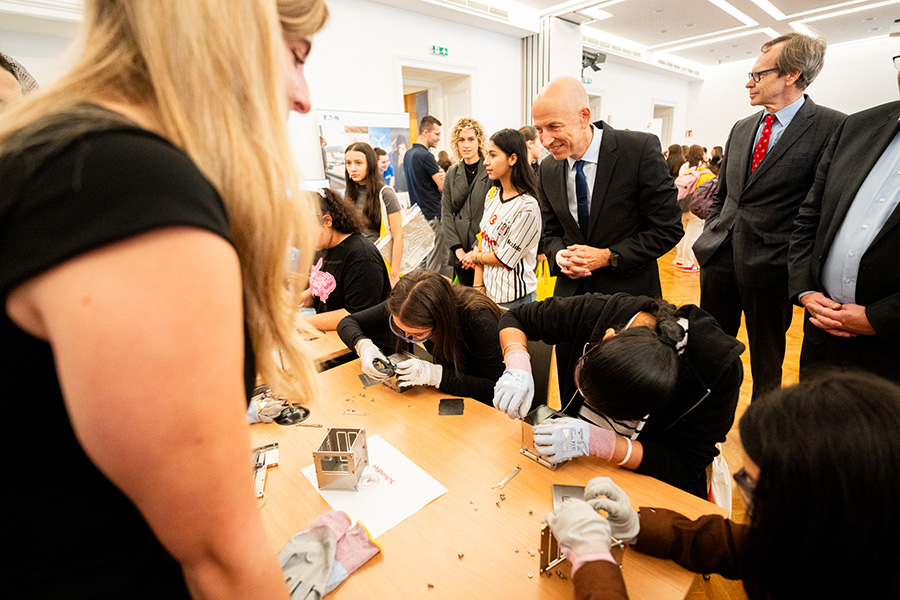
[341,458]
[537,416]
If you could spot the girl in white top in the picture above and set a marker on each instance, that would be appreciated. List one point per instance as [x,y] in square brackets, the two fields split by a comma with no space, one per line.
[506,255]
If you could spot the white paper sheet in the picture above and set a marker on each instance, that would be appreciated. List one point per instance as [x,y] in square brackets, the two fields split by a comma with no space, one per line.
[392,488]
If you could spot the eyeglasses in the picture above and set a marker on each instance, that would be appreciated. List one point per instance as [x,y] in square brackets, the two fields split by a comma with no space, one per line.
[746,487]
[757,75]
[897,62]
[404,336]
[588,348]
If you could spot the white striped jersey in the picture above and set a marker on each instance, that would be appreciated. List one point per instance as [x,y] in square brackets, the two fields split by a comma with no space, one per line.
[511,230]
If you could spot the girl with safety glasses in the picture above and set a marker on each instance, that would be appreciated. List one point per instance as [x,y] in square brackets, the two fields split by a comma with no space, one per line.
[651,388]
[456,324]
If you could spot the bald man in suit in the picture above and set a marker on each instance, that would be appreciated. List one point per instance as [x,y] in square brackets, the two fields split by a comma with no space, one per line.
[845,247]
[607,199]
[769,167]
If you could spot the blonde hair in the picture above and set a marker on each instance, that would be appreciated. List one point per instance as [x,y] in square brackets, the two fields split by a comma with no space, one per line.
[210,75]
[301,18]
[468,123]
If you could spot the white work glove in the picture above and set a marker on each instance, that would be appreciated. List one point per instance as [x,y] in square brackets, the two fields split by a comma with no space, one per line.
[368,352]
[416,371]
[567,438]
[514,392]
[602,494]
[582,533]
[264,410]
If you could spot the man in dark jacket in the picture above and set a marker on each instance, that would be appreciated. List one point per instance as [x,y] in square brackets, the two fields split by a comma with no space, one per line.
[770,163]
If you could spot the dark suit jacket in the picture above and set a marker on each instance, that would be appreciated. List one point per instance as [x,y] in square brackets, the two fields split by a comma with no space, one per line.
[853,151]
[757,210]
[462,206]
[634,212]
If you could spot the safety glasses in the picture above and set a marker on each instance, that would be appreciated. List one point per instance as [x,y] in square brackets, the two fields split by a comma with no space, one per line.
[403,335]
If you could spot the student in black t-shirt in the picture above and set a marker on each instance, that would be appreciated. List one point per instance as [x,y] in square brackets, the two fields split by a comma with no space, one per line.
[348,272]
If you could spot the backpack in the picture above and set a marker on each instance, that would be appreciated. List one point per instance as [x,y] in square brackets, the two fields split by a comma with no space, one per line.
[686,185]
[703,197]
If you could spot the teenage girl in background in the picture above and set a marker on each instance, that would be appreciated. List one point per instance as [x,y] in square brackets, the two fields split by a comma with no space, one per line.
[506,256]
[374,199]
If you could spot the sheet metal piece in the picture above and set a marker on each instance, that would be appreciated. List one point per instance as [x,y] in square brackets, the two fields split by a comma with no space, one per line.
[263,458]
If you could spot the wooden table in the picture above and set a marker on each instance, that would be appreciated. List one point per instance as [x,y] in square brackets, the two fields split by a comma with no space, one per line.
[467,454]
[325,345]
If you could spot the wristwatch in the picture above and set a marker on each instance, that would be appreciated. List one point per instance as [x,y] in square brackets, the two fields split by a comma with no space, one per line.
[614,259]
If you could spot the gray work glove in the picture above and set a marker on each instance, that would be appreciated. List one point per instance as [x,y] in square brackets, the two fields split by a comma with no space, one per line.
[602,494]
[583,534]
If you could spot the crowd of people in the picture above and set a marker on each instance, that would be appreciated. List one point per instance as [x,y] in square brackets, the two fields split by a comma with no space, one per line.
[174,284]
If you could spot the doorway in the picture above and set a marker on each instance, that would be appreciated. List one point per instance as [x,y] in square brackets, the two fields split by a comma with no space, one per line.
[447,96]
[596,105]
[666,113]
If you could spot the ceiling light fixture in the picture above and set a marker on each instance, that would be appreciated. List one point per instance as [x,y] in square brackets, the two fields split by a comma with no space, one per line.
[848,11]
[801,28]
[770,9]
[721,38]
[734,12]
[825,8]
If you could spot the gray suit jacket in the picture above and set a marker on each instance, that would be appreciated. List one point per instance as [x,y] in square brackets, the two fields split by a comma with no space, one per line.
[634,212]
[462,206]
[852,153]
[757,210]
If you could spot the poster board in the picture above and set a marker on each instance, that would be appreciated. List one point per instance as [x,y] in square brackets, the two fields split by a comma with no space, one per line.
[338,129]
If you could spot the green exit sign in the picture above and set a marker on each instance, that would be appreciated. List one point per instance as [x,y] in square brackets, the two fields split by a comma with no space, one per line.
[439,50]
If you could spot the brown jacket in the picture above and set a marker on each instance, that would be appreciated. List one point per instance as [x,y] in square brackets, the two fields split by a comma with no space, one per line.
[710,544]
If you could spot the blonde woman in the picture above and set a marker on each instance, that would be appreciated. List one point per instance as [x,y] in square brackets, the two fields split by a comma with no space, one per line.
[144,228]
[465,187]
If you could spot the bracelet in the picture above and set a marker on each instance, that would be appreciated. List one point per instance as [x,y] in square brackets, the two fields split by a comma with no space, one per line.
[627,454]
[477,286]
[503,350]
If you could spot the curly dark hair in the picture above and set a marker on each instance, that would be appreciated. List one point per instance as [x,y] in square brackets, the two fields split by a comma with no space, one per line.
[344,216]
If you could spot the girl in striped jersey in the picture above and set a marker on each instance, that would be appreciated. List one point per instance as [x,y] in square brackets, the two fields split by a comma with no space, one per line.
[506,256]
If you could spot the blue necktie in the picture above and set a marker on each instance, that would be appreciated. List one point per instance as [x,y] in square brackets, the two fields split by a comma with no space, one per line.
[582,197]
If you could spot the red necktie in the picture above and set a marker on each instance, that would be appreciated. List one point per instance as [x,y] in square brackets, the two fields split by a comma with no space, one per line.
[763,144]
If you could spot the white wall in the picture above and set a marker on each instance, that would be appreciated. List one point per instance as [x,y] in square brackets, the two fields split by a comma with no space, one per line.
[356,65]
[855,77]
[629,95]
[40,54]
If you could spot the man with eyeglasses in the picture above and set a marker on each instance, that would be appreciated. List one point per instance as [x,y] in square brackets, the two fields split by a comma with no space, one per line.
[845,247]
[770,163]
